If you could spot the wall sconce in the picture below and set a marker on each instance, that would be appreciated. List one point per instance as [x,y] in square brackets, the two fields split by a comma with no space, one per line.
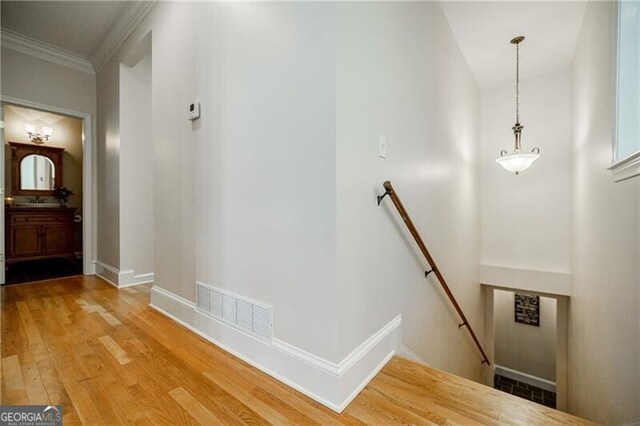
[36,137]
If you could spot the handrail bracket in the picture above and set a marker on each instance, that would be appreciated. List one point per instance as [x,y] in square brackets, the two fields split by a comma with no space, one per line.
[381,197]
[434,268]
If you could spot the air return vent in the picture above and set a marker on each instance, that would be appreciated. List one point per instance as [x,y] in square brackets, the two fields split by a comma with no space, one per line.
[245,314]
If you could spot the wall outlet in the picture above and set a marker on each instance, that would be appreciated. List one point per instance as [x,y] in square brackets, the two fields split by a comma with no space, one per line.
[383,146]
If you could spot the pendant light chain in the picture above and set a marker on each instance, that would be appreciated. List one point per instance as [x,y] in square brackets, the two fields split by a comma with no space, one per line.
[518,83]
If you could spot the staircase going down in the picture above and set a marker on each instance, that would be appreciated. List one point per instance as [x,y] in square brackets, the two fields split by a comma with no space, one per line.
[405,392]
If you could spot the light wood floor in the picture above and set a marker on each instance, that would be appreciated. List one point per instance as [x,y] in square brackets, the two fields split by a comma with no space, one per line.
[109,359]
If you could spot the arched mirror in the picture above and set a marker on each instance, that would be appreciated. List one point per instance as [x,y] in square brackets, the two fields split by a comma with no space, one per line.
[36,169]
[37,172]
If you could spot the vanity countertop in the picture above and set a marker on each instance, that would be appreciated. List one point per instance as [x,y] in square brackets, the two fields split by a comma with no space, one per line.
[39,209]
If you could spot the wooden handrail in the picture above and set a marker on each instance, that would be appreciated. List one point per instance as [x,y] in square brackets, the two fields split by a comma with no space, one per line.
[432,264]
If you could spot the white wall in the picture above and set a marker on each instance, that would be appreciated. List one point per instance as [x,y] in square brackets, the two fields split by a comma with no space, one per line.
[252,197]
[33,79]
[401,74]
[245,198]
[126,164]
[526,219]
[108,167]
[172,89]
[136,168]
[265,162]
[604,322]
[522,347]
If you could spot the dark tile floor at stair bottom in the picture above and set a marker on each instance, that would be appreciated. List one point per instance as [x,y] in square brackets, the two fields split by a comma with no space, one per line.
[38,270]
[525,391]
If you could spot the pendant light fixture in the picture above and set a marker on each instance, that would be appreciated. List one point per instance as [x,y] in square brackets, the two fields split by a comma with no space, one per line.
[518,160]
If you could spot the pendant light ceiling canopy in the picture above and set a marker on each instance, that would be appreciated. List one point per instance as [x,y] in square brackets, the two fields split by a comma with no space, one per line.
[517,161]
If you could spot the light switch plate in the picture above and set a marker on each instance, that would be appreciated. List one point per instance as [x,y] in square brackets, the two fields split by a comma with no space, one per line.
[382,147]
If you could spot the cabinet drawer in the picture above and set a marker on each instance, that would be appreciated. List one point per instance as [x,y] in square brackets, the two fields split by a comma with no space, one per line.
[35,219]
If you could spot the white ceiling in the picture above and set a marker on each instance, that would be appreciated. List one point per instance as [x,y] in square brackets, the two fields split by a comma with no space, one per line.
[75,26]
[482,28]
[483,31]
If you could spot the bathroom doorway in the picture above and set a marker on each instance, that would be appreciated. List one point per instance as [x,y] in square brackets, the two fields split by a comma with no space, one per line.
[45,181]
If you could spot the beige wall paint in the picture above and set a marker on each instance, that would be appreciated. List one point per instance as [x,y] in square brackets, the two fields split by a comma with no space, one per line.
[604,319]
[32,79]
[263,154]
[245,198]
[522,347]
[108,167]
[67,134]
[402,75]
[509,201]
[136,168]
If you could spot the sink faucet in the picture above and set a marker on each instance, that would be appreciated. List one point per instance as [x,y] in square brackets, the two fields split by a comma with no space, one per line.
[36,200]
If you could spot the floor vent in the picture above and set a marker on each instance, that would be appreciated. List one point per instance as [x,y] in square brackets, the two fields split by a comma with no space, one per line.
[245,314]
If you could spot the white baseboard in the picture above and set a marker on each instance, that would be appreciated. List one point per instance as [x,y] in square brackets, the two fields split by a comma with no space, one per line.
[129,278]
[405,352]
[89,267]
[333,385]
[525,378]
[107,272]
[120,279]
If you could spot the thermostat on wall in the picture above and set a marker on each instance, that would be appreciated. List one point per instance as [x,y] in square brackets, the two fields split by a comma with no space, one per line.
[194,111]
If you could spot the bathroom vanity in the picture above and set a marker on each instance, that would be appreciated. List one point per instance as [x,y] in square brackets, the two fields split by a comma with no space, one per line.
[34,229]
[38,233]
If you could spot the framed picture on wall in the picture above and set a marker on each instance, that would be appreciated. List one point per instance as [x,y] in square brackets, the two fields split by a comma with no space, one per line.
[527,309]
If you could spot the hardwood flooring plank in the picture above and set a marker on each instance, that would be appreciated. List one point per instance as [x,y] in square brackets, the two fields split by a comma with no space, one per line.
[107,358]
[50,380]
[28,323]
[110,319]
[15,390]
[191,405]
[385,410]
[36,393]
[115,349]
[263,410]
[84,407]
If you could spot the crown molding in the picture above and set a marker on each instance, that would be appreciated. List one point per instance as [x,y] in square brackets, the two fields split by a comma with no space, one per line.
[122,26]
[29,46]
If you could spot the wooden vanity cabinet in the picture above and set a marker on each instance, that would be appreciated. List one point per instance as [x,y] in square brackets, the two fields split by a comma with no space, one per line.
[38,233]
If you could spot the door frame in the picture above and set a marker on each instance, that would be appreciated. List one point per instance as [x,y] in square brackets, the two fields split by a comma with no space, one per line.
[89,211]
[2,162]
[562,339]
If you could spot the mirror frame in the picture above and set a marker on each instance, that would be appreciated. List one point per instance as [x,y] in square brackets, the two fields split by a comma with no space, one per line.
[21,150]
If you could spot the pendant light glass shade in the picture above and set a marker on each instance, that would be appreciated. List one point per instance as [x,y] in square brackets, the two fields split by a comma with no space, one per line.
[517,161]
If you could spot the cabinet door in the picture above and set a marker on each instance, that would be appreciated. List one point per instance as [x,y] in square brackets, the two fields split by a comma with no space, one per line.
[24,241]
[55,239]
